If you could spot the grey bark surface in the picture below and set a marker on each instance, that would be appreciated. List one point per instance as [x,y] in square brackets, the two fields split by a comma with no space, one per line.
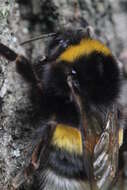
[22,20]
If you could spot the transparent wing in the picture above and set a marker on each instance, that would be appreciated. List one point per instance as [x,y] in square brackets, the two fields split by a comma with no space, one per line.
[105,161]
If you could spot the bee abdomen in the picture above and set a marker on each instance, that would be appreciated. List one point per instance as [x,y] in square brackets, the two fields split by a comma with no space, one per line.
[66,164]
[53,181]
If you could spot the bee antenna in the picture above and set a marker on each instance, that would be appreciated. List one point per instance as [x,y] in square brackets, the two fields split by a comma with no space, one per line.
[38,38]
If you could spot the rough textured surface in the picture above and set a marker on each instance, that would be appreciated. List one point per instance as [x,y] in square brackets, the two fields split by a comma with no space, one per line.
[22,20]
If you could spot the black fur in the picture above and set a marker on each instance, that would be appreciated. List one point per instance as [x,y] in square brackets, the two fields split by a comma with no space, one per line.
[66,164]
[99,78]
[62,40]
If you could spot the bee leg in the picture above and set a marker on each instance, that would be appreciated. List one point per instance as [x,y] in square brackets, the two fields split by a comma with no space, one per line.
[27,173]
[40,152]
[38,70]
[23,65]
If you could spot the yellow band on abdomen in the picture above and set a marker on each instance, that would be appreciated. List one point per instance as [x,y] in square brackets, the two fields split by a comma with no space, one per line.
[68,138]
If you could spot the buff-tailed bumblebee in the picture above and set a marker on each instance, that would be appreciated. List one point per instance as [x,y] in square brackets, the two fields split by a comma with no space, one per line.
[79,83]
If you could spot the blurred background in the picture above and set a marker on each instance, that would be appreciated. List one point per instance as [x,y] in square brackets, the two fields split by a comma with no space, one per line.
[21,20]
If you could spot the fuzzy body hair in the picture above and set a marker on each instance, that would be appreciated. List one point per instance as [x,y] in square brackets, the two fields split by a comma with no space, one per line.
[52,181]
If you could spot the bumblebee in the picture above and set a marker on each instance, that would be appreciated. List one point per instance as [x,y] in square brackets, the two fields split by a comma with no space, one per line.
[79,83]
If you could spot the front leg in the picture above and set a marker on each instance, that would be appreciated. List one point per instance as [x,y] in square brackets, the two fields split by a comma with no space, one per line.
[23,65]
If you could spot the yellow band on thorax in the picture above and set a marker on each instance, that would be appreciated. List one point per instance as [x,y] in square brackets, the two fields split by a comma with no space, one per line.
[67,138]
[85,47]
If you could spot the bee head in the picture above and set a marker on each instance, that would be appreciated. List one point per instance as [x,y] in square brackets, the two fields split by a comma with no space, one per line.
[90,63]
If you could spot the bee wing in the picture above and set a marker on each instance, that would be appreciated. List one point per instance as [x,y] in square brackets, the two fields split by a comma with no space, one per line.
[105,162]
